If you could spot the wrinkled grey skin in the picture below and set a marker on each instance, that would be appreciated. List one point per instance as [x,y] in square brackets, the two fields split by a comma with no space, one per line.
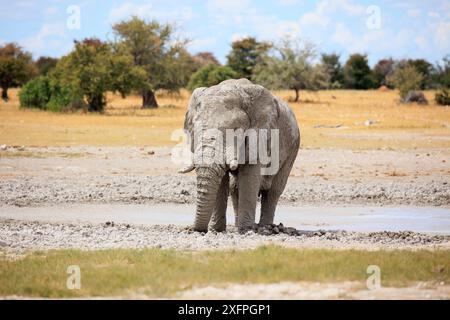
[229,105]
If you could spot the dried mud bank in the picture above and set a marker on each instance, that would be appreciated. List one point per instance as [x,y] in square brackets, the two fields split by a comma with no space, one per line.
[18,237]
[55,175]
[38,190]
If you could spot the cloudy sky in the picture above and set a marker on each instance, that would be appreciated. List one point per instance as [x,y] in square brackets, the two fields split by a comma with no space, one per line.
[379,28]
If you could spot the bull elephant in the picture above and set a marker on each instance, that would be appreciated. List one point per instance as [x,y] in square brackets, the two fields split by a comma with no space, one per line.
[238,104]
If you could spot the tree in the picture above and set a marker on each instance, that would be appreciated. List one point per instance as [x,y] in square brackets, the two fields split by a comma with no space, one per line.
[357,72]
[204,58]
[289,66]
[211,75]
[92,69]
[405,79]
[443,72]
[334,69]
[382,70]
[245,54]
[426,69]
[442,78]
[153,48]
[16,67]
[45,65]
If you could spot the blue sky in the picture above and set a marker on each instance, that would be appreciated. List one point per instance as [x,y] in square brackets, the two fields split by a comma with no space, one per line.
[397,29]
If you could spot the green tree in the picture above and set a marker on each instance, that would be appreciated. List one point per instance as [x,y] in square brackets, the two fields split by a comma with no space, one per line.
[443,72]
[92,69]
[405,78]
[357,72]
[426,69]
[245,54]
[382,70]
[45,65]
[16,67]
[211,75]
[289,66]
[442,79]
[334,69]
[153,48]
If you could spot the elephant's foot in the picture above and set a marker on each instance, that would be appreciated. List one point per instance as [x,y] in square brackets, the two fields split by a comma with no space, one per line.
[247,228]
[218,228]
[193,228]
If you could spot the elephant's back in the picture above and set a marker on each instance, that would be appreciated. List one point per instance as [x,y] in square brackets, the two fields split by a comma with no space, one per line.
[288,123]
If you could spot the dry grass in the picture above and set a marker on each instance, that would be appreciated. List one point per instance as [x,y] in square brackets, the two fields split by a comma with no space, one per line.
[126,124]
[395,173]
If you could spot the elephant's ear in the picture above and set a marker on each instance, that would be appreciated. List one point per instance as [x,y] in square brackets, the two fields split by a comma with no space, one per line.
[190,114]
[192,108]
[261,106]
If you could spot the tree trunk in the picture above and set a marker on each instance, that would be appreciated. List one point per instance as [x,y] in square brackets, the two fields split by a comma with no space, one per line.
[96,103]
[297,96]
[5,94]
[149,99]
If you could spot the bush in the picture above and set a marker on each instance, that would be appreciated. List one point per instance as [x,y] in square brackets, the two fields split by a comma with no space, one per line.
[35,93]
[405,79]
[443,97]
[210,75]
[46,94]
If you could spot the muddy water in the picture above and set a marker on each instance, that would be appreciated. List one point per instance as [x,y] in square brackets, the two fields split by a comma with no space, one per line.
[350,218]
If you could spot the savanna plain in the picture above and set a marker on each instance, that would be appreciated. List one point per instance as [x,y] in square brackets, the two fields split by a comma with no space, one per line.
[75,186]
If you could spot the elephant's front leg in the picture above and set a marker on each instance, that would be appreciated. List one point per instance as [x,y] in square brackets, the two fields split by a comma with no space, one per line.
[249,181]
[218,220]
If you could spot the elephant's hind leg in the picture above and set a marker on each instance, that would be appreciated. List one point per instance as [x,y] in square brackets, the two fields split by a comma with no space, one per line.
[218,220]
[270,197]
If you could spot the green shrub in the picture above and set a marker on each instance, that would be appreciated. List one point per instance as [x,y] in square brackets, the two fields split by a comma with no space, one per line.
[443,97]
[46,94]
[405,79]
[35,93]
[210,75]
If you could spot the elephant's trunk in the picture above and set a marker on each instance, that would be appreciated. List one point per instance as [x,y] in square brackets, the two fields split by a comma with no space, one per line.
[208,183]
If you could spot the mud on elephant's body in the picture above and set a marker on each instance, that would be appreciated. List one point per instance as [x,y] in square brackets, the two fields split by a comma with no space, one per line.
[238,104]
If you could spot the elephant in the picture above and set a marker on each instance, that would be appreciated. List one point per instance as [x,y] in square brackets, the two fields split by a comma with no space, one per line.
[238,104]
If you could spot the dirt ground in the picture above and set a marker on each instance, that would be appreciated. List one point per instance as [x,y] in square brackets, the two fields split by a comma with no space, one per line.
[318,291]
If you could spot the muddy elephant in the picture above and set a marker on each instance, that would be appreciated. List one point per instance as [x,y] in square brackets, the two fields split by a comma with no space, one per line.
[239,105]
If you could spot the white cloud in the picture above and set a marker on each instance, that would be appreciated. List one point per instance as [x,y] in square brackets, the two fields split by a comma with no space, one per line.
[49,11]
[202,44]
[228,5]
[127,10]
[442,36]
[342,35]
[422,42]
[146,11]
[238,36]
[50,36]
[414,13]
[433,14]
[314,19]
[289,2]
[348,7]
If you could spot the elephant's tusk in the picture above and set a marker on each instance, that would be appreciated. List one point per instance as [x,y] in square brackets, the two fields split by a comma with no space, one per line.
[233,164]
[187,169]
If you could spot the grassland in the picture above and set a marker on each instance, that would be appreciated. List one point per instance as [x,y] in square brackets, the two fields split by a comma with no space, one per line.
[124,123]
[162,273]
